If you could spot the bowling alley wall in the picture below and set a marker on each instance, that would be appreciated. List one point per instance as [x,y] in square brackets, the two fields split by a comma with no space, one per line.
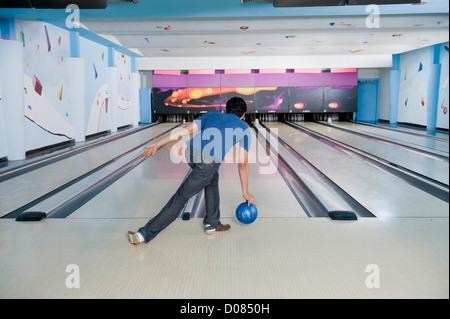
[413,91]
[424,76]
[58,87]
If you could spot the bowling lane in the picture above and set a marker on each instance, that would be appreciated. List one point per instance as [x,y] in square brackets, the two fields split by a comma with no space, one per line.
[145,190]
[381,193]
[424,142]
[410,130]
[269,259]
[20,190]
[139,194]
[431,167]
[274,197]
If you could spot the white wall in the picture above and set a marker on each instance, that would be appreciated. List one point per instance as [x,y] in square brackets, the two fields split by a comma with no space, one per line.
[443,100]
[3,152]
[265,62]
[12,95]
[383,99]
[369,73]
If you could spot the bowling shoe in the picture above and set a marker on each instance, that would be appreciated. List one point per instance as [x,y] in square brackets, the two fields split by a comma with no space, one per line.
[135,238]
[209,230]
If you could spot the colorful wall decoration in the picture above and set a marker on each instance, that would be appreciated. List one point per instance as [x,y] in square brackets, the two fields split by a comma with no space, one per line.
[123,64]
[98,105]
[67,85]
[272,99]
[413,87]
[288,92]
[307,98]
[96,91]
[3,152]
[443,99]
[47,110]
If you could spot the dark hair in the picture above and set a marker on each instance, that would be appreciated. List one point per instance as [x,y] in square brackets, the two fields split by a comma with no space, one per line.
[236,105]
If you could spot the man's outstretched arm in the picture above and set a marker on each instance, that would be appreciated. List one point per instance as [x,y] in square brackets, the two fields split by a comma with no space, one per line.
[243,175]
[189,129]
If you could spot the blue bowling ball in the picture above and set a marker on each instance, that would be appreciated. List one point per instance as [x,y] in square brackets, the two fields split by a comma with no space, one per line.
[246,213]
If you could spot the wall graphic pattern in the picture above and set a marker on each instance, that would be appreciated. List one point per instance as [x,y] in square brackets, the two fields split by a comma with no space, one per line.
[45,78]
[49,111]
[413,87]
[123,64]
[443,105]
[96,88]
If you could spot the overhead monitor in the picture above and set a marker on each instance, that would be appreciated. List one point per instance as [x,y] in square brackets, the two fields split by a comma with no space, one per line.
[203,100]
[367,2]
[169,100]
[306,99]
[246,93]
[339,99]
[308,3]
[271,99]
[16,4]
[334,3]
[62,4]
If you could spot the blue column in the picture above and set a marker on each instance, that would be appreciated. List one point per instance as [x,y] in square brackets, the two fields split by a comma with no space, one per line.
[111,57]
[394,89]
[433,78]
[145,106]
[133,64]
[7,29]
[74,44]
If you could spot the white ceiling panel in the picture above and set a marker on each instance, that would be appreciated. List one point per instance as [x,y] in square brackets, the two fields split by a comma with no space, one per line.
[273,36]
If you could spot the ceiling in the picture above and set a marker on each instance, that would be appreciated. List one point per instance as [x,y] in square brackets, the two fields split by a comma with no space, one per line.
[272,36]
[228,28]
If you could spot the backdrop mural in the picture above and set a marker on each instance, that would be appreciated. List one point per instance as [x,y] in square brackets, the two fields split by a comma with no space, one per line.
[298,93]
[49,112]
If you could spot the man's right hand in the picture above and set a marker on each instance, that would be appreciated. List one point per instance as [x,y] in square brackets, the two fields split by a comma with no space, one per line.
[250,199]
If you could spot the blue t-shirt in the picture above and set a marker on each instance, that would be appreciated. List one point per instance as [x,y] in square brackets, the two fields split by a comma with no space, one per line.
[219,132]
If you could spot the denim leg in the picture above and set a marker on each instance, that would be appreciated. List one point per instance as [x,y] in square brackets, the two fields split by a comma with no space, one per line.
[212,202]
[200,176]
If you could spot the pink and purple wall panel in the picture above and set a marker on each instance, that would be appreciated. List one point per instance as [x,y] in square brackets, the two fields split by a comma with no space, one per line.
[203,80]
[267,80]
[257,79]
[233,80]
[306,79]
[160,80]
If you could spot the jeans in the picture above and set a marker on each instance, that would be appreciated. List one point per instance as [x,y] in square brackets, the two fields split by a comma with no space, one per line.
[204,175]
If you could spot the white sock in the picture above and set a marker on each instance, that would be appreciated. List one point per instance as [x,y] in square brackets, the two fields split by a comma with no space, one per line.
[141,238]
